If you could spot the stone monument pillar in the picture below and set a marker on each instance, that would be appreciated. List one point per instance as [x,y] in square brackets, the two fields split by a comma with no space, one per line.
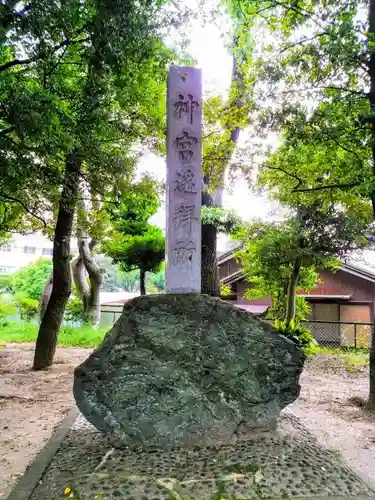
[184,180]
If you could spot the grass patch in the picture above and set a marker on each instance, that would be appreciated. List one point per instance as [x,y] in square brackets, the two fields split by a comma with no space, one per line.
[83,336]
[352,360]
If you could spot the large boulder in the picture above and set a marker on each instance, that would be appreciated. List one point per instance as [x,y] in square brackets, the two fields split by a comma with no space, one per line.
[187,369]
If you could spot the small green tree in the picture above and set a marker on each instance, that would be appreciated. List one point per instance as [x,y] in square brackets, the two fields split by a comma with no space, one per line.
[133,243]
[144,252]
[280,258]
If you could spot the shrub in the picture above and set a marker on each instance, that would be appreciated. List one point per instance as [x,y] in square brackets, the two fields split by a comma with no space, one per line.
[28,308]
[32,279]
[224,290]
[298,333]
[74,311]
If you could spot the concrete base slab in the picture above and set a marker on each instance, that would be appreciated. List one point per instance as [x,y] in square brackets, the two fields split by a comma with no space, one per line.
[287,465]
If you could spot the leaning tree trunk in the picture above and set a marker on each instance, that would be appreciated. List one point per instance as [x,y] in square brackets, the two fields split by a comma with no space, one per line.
[291,293]
[89,293]
[61,288]
[209,268]
[44,298]
[142,281]
[371,96]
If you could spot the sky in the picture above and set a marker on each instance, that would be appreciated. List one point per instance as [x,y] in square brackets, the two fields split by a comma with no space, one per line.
[208,48]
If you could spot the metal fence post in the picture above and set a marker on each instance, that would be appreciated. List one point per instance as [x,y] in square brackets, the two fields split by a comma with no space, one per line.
[355,335]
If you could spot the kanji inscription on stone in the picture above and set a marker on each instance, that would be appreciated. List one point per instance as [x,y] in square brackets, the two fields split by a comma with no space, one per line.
[184,180]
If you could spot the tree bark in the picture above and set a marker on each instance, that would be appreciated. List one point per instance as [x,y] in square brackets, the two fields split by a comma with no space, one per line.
[44,298]
[61,288]
[142,281]
[90,294]
[291,294]
[371,71]
[209,269]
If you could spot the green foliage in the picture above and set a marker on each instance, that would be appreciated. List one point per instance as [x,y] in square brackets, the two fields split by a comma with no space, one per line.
[224,290]
[278,308]
[318,68]
[28,308]
[7,309]
[145,251]
[31,280]
[84,336]
[91,83]
[311,238]
[134,243]
[298,333]
[130,207]
[267,255]
[225,221]
[74,311]
[6,283]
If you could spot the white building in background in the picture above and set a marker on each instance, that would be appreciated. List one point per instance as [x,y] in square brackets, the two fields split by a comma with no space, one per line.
[23,249]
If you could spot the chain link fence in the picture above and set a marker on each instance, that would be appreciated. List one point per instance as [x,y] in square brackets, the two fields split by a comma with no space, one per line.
[341,334]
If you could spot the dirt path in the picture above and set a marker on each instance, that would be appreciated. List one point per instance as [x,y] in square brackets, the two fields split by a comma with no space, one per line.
[326,408]
[31,405]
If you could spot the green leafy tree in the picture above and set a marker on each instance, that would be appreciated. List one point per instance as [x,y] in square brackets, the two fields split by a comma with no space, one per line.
[144,252]
[85,90]
[133,242]
[280,258]
[318,66]
[30,280]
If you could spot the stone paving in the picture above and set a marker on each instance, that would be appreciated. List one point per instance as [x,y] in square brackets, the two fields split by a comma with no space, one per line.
[286,465]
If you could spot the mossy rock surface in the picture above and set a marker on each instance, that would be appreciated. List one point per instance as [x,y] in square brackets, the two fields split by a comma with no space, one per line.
[187,370]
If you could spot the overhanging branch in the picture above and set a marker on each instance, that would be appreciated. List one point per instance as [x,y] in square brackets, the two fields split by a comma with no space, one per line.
[37,57]
[329,186]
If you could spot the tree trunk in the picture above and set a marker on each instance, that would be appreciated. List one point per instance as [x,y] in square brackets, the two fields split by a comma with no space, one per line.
[371,71]
[209,268]
[142,281]
[44,298]
[291,294]
[61,288]
[89,294]
[209,271]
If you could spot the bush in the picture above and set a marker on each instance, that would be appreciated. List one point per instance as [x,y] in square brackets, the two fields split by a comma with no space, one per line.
[224,290]
[74,312]
[28,308]
[298,333]
[32,279]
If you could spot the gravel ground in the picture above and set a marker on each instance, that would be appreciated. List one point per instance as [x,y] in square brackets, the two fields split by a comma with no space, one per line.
[33,403]
[327,409]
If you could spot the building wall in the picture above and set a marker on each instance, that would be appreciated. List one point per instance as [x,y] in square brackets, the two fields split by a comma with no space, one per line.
[342,283]
[227,268]
[23,249]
